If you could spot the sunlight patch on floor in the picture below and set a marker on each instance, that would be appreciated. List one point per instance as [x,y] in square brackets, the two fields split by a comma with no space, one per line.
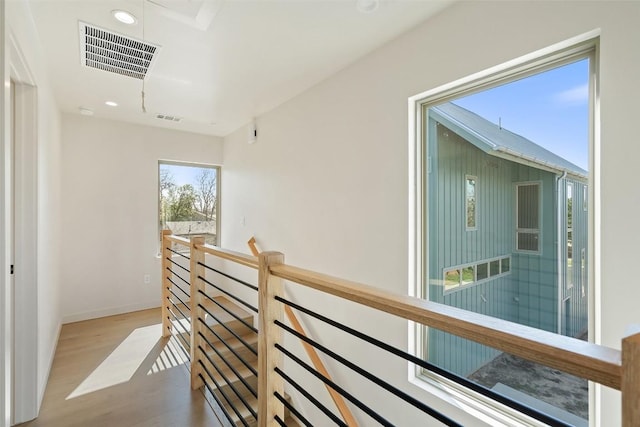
[123,362]
[172,355]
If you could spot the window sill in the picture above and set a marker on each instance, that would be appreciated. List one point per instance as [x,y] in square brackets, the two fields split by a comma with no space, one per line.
[485,410]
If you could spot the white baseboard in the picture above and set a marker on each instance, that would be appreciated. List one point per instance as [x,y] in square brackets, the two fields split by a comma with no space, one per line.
[94,314]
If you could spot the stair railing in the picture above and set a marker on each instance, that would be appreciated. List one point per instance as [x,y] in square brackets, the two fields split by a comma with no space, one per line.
[176,291]
[212,324]
[616,369]
[344,410]
[619,370]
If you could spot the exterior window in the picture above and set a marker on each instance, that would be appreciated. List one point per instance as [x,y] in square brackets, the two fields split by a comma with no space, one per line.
[583,272]
[505,256]
[483,271]
[189,197]
[471,183]
[505,265]
[528,217]
[461,277]
[585,203]
[569,235]
[494,267]
[468,275]
[451,279]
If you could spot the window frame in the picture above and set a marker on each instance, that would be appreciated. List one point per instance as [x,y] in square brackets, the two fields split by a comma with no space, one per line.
[537,231]
[467,178]
[569,238]
[576,48]
[218,169]
[461,267]
[583,272]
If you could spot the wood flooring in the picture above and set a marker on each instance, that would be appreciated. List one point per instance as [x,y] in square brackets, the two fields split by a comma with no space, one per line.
[119,371]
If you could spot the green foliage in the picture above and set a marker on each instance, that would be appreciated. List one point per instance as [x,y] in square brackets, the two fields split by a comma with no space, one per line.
[186,202]
[182,203]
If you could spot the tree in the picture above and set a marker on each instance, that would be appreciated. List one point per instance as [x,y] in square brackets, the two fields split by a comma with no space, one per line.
[206,182]
[166,186]
[166,180]
[181,204]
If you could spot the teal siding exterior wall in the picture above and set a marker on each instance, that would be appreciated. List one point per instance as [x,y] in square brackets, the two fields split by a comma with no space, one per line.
[451,244]
[529,292]
[536,275]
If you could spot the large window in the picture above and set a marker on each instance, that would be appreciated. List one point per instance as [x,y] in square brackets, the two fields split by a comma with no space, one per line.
[528,217]
[510,250]
[188,199]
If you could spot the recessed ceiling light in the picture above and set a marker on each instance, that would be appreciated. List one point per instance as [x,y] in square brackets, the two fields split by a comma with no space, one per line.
[111,104]
[124,17]
[85,111]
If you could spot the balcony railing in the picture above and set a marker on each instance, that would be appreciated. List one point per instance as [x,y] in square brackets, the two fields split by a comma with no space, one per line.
[212,305]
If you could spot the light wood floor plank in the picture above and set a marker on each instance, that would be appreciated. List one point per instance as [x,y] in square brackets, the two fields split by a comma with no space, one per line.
[97,353]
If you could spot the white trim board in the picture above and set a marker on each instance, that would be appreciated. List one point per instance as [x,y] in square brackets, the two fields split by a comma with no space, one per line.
[111,311]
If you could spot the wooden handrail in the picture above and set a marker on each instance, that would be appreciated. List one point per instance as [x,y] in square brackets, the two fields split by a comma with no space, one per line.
[252,246]
[583,359]
[616,369]
[631,378]
[177,239]
[236,257]
[347,416]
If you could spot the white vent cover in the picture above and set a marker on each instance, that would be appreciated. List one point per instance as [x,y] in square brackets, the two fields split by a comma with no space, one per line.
[108,51]
[168,118]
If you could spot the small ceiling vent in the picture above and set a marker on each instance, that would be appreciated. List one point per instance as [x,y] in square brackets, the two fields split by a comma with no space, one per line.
[108,51]
[169,118]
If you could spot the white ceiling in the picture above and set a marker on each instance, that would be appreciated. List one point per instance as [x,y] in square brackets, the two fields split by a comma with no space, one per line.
[221,62]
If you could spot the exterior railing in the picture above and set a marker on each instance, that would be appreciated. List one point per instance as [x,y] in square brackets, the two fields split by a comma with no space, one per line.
[616,369]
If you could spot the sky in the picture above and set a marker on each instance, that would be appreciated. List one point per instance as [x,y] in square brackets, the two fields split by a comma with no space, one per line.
[551,109]
[182,174]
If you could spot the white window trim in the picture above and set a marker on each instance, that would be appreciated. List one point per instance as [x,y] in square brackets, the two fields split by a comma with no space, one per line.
[538,230]
[584,45]
[466,201]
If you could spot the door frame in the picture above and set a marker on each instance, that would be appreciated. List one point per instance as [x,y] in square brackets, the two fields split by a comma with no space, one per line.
[25,236]
[6,297]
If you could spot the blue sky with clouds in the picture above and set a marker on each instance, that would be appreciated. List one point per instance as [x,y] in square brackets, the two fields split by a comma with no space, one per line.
[551,109]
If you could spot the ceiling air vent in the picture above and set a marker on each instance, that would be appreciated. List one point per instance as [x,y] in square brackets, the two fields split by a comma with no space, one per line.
[115,53]
[169,118]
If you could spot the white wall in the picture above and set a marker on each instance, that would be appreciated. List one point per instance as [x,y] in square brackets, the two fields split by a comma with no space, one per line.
[110,211]
[22,29]
[327,180]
